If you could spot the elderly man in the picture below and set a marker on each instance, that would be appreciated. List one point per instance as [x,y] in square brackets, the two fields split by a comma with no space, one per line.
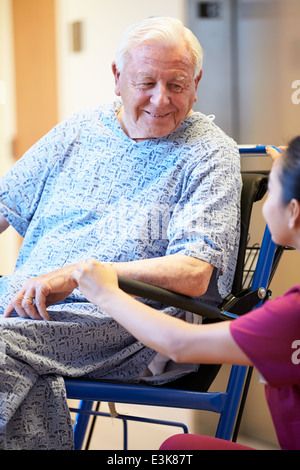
[146,184]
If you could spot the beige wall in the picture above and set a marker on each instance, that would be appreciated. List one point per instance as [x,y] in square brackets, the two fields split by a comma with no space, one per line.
[9,240]
[35,70]
[29,78]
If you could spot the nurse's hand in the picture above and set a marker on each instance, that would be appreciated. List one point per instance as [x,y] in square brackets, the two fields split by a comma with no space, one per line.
[96,281]
[273,153]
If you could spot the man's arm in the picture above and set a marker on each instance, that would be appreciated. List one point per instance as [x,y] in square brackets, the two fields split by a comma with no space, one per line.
[179,273]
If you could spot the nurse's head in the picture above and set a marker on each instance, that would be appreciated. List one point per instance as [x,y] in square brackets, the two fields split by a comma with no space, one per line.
[282,207]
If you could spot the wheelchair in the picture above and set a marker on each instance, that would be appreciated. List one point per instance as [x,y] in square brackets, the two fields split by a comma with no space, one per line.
[255,269]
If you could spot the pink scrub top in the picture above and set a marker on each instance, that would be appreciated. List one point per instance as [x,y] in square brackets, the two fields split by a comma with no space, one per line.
[270,337]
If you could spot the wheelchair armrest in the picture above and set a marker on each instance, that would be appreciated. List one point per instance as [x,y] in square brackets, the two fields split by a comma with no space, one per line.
[164,296]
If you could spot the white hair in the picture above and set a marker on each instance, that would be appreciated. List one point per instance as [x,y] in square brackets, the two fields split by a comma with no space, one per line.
[168,31]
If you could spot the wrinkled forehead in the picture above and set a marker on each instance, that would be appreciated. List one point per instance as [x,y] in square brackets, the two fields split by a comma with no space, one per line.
[149,60]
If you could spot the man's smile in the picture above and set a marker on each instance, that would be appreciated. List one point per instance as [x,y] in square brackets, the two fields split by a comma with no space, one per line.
[157,115]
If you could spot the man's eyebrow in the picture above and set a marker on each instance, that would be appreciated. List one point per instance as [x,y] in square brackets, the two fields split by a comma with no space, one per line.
[143,76]
[179,78]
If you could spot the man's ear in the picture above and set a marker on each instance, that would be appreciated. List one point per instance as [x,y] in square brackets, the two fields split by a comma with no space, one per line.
[117,78]
[197,80]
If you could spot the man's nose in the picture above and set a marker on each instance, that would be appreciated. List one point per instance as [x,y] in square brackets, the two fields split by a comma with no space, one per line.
[160,95]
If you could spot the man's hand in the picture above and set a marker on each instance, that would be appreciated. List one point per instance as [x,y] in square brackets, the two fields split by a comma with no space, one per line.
[40,292]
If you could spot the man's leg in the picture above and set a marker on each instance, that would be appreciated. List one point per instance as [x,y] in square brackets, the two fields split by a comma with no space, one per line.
[33,408]
[34,357]
[34,411]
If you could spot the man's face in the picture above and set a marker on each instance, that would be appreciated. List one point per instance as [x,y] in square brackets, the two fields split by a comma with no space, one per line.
[157,88]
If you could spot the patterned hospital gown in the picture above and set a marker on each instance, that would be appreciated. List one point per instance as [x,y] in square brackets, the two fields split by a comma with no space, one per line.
[87,190]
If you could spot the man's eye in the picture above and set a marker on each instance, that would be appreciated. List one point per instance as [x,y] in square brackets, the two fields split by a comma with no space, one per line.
[145,85]
[175,87]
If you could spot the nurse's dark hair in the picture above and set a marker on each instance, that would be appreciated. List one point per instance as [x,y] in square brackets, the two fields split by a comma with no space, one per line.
[290,172]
